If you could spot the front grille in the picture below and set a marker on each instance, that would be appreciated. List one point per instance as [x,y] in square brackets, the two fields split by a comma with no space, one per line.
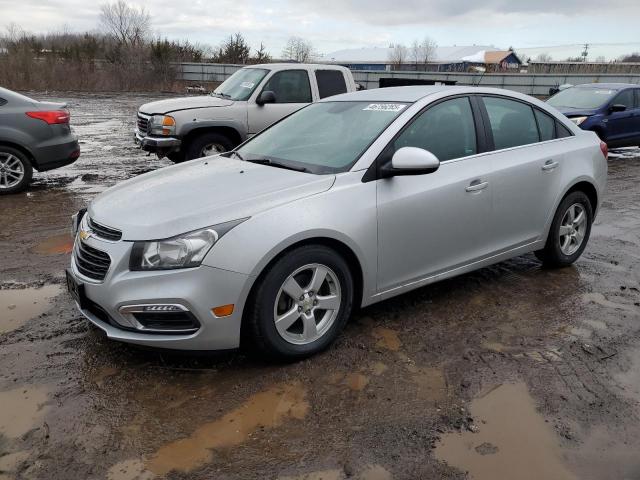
[143,123]
[91,263]
[104,232]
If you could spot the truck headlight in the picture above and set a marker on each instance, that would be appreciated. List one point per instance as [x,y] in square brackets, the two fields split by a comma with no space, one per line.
[183,251]
[162,125]
[578,120]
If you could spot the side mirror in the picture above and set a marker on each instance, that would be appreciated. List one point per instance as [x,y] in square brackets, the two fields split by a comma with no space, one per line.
[410,161]
[617,108]
[266,97]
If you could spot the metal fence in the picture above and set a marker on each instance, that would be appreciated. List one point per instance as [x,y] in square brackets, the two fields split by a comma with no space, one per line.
[533,84]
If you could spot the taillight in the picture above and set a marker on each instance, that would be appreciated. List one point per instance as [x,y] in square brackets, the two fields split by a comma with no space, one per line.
[604,149]
[52,117]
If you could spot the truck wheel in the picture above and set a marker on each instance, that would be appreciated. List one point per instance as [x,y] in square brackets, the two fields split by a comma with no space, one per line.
[15,170]
[207,144]
[176,157]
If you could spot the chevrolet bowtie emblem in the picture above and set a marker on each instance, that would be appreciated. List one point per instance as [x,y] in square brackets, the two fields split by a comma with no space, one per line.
[85,234]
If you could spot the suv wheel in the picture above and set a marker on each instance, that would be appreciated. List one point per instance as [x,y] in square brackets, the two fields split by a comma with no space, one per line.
[569,231]
[301,304]
[15,170]
[208,144]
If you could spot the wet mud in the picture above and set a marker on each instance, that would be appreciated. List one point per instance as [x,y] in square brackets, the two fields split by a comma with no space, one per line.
[512,371]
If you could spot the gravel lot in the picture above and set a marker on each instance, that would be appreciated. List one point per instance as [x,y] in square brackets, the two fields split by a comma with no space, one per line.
[509,372]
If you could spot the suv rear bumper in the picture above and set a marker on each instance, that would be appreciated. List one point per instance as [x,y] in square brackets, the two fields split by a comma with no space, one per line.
[162,145]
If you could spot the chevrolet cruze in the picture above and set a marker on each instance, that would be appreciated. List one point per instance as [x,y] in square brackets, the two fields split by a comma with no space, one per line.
[347,202]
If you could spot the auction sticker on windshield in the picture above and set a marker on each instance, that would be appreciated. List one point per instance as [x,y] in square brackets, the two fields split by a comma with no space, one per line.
[247,84]
[385,107]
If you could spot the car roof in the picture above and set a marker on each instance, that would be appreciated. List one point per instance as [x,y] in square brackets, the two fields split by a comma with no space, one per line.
[610,86]
[297,66]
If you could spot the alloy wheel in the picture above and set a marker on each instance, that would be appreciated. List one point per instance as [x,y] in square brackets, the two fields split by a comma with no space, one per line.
[307,304]
[573,228]
[11,171]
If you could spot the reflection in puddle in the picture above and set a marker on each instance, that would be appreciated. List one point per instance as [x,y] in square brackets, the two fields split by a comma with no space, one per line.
[55,245]
[513,441]
[18,306]
[21,409]
[266,409]
[387,339]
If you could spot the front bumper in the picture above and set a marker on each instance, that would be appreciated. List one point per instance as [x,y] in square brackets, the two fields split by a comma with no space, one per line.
[199,290]
[161,145]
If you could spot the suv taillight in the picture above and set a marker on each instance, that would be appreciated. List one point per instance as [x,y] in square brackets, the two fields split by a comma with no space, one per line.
[52,117]
[604,149]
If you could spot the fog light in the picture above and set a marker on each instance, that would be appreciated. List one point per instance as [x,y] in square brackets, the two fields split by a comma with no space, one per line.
[223,310]
[162,308]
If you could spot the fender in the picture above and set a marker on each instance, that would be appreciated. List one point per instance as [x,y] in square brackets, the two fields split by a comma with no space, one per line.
[11,135]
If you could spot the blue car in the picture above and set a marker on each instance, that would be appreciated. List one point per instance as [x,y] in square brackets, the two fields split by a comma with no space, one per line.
[612,110]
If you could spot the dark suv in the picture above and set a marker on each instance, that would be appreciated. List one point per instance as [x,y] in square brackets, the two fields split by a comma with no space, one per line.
[612,110]
[33,135]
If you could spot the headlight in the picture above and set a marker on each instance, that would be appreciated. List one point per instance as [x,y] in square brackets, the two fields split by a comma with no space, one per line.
[184,251]
[578,120]
[162,125]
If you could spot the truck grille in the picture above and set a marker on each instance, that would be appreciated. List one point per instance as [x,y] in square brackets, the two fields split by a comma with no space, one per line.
[104,232]
[91,263]
[143,123]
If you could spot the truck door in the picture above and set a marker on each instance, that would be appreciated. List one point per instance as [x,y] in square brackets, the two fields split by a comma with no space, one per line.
[292,91]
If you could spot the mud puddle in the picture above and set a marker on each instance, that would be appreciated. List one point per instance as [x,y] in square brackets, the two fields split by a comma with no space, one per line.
[21,410]
[513,441]
[267,409]
[21,305]
[56,245]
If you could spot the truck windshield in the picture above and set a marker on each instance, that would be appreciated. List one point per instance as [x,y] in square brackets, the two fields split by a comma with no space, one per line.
[326,137]
[241,84]
[581,97]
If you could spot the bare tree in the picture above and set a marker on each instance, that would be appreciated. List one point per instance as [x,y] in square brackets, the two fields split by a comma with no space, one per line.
[398,55]
[298,49]
[544,58]
[128,25]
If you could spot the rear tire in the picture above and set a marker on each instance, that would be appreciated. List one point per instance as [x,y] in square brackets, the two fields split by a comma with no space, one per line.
[206,144]
[282,327]
[15,170]
[569,233]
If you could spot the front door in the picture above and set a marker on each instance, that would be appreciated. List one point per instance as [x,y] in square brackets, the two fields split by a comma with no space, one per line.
[433,223]
[621,125]
[292,91]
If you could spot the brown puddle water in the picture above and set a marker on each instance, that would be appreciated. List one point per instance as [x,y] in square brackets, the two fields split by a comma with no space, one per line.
[19,306]
[21,410]
[265,409]
[55,245]
[387,339]
[513,440]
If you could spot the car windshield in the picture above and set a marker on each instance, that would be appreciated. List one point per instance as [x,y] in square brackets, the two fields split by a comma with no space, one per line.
[241,84]
[326,137]
[581,97]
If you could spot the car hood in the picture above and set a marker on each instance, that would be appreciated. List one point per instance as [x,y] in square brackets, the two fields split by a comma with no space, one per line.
[197,194]
[577,112]
[183,103]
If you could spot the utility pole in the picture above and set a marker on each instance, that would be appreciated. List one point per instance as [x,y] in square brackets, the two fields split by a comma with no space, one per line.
[585,52]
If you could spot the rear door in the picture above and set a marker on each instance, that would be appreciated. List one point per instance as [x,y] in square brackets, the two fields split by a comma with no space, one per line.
[527,175]
[292,90]
[428,224]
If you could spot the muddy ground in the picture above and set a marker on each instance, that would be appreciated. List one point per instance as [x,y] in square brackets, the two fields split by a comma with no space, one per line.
[509,372]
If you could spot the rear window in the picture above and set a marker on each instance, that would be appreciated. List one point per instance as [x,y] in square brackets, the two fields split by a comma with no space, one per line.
[330,82]
[562,131]
[512,123]
[546,125]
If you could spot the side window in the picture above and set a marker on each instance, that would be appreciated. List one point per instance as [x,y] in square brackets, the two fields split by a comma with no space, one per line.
[290,86]
[512,122]
[562,131]
[447,130]
[637,91]
[625,98]
[330,82]
[546,126]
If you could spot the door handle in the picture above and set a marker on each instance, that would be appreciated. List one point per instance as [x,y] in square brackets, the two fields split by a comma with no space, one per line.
[476,186]
[549,165]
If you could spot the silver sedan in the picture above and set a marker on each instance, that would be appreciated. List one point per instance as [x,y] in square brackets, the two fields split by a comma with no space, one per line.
[345,203]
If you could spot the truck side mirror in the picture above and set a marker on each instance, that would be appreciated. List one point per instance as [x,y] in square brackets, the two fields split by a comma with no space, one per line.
[266,97]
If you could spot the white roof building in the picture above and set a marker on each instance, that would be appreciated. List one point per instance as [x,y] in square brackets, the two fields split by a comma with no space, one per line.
[381,55]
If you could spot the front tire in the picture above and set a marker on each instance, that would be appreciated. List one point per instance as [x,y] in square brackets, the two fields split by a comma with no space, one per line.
[206,144]
[301,304]
[15,170]
[569,233]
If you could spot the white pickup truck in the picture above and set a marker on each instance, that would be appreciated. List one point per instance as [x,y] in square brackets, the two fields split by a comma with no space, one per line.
[247,102]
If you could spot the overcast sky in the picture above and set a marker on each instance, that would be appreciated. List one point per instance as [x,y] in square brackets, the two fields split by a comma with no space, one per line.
[336,24]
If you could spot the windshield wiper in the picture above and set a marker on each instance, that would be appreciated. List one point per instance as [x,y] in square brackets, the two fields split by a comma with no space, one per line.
[236,154]
[272,163]
[219,94]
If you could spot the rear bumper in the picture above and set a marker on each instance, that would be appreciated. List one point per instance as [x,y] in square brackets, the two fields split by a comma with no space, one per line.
[56,155]
[162,145]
